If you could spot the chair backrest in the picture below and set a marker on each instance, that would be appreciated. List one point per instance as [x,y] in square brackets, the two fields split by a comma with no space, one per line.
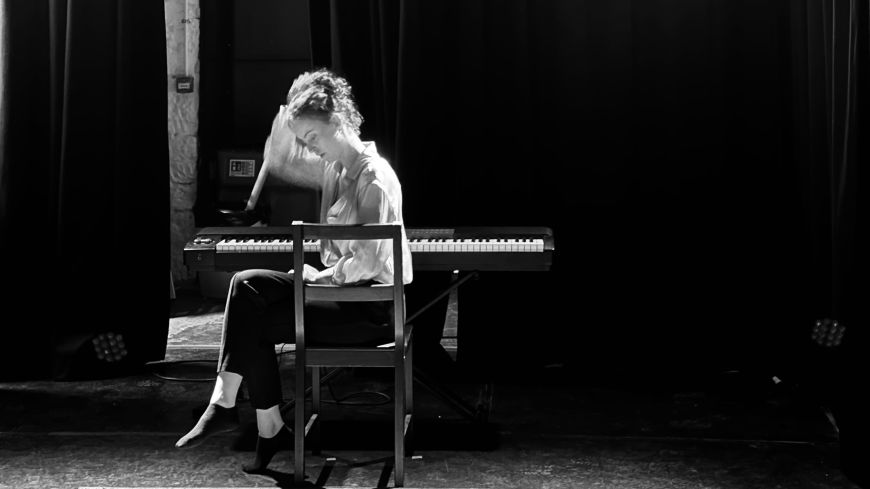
[377,292]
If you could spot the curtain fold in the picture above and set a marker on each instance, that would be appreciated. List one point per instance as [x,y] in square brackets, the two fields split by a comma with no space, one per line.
[831,110]
[360,40]
[830,57]
[84,173]
[4,181]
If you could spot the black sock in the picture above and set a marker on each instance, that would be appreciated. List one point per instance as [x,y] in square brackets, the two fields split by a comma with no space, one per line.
[215,419]
[267,447]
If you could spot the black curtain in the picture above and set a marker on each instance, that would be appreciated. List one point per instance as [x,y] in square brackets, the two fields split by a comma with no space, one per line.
[700,163]
[652,137]
[693,162]
[84,200]
[361,41]
[830,88]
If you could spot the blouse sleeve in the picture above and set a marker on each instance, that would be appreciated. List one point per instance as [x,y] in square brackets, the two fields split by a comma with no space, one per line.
[367,258]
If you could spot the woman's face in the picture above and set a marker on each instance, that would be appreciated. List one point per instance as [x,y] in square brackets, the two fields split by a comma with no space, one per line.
[320,137]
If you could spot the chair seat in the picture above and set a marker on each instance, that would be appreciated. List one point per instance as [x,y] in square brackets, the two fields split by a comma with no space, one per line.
[349,293]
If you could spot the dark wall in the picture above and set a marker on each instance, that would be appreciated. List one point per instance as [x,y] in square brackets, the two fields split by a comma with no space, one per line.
[250,53]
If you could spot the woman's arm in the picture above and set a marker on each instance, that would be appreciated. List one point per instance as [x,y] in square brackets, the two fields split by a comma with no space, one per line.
[286,160]
[367,258]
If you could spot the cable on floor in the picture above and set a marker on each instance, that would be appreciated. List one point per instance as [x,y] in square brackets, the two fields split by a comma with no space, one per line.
[180,379]
[385,399]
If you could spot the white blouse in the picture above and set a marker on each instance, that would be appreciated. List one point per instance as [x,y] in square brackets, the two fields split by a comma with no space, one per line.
[367,191]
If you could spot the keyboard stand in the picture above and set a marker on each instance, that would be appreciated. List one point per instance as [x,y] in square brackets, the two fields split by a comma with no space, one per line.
[480,412]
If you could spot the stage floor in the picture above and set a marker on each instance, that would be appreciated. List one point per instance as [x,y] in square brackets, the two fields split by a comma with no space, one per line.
[548,428]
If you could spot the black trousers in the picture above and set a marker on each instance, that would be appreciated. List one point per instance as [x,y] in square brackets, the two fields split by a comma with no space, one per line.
[260,314]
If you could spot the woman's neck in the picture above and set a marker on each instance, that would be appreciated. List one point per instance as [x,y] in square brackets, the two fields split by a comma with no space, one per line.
[351,153]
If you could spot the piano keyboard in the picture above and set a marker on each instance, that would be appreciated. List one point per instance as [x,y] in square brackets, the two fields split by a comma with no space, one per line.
[421,245]
[469,248]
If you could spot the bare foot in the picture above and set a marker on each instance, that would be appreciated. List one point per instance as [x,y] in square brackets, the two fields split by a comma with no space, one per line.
[215,419]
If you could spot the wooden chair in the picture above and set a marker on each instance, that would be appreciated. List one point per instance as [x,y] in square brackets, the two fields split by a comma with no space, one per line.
[395,355]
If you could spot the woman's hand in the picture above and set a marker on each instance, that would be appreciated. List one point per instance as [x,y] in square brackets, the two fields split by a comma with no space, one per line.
[282,141]
[287,160]
[311,275]
[324,276]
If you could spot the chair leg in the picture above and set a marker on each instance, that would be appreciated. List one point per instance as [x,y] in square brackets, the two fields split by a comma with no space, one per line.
[399,424]
[409,400]
[409,380]
[299,426]
[315,410]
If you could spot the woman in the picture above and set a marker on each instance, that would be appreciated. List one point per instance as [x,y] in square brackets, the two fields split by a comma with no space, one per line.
[314,142]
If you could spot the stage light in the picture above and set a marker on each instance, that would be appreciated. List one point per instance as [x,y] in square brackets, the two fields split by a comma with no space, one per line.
[109,347]
[828,332]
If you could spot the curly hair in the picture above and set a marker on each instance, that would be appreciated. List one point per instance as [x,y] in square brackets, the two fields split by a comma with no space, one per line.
[324,94]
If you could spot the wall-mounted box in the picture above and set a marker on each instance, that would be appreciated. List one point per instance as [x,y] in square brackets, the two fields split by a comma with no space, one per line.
[237,172]
[184,84]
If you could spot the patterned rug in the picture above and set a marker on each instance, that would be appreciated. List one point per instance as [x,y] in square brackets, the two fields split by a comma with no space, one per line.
[195,325]
[196,331]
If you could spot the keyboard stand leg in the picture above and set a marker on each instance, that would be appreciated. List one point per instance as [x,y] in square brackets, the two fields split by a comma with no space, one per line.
[453,286]
[480,413]
[448,397]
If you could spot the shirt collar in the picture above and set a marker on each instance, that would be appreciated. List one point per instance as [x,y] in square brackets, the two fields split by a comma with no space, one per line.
[369,150]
